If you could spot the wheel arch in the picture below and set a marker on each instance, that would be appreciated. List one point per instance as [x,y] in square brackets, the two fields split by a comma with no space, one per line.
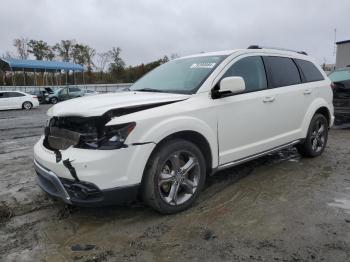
[196,138]
[325,112]
[26,101]
[202,133]
[318,106]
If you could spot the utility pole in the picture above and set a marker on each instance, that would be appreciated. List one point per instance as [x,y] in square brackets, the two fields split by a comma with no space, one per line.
[335,40]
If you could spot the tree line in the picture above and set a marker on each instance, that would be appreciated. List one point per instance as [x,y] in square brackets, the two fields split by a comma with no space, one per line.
[101,67]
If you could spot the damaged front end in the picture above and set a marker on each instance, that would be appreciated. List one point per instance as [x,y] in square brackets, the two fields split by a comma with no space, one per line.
[92,133]
[64,134]
[85,132]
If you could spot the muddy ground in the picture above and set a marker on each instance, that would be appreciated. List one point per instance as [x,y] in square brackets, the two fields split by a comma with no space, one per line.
[277,208]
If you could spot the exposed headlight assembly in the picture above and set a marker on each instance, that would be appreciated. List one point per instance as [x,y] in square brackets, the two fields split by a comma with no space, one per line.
[112,137]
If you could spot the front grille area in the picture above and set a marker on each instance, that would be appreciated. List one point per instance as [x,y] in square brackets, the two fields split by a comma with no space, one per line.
[63,132]
[59,138]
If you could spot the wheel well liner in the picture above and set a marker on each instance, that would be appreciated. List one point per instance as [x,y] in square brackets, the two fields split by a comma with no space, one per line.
[196,138]
[325,112]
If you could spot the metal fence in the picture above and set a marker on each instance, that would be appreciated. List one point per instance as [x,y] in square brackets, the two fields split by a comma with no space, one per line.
[101,88]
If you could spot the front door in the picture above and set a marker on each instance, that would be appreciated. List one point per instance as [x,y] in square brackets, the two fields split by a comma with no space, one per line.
[63,94]
[246,122]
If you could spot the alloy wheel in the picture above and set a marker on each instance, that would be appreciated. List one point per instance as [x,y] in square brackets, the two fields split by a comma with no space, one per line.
[27,105]
[318,135]
[179,178]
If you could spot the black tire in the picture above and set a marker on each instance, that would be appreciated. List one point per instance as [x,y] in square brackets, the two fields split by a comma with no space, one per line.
[27,105]
[160,178]
[54,100]
[315,137]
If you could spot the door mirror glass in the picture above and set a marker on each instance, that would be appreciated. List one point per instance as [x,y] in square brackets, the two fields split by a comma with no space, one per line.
[233,84]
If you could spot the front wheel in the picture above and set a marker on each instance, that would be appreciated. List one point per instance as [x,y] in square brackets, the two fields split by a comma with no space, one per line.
[317,137]
[54,100]
[174,176]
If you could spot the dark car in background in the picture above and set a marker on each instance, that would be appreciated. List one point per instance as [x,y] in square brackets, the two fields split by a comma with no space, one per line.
[341,93]
[42,94]
[64,93]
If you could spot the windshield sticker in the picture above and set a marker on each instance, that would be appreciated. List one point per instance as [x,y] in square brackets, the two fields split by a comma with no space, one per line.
[203,65]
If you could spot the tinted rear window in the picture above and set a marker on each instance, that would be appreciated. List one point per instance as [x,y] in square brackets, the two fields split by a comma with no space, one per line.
[14,94]
[309,70]
[282,71]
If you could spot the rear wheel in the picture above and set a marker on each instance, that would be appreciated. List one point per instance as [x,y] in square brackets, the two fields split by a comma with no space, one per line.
[27,105]
[54,100]
[317,137]
[174,176]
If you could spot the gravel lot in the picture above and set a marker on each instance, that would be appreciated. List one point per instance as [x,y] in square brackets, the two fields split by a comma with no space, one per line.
[277,208]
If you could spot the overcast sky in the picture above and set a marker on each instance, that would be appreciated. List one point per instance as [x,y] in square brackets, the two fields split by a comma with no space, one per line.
[149,29]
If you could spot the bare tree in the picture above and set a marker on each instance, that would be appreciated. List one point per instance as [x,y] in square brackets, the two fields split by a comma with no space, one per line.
[103,59]
[7,54]
[89,53]
[21,45]
[40,49]
[64,49]
[118,63]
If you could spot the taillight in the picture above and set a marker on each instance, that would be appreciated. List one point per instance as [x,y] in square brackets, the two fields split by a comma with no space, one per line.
[333,86]
[35,97]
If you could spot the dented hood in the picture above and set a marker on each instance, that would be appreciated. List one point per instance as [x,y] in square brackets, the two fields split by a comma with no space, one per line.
[99,104]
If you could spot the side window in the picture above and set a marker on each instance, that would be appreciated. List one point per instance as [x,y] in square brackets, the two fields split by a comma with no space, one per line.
[252,70]
[3,95]
[282,71]
[309,70]
[64,91]
[14,94]
[71,89]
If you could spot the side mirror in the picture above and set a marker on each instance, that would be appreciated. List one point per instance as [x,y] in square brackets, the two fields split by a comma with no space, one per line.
[232,85]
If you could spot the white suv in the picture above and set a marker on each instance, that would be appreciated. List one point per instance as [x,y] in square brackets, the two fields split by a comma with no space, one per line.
[185,120]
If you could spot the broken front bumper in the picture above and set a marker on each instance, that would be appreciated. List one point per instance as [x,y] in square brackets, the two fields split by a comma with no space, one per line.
[50,183]
[82,193]
[106,176]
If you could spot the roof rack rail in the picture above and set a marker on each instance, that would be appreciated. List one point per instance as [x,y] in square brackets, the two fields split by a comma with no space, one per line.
[276,48]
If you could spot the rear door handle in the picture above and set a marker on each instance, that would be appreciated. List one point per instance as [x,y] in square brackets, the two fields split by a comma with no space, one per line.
[269,99]
[307,92]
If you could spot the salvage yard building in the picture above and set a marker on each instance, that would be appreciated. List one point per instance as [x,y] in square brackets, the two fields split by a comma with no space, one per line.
[343,54]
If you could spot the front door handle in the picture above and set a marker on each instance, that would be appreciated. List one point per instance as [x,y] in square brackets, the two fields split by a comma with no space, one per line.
[269,99]
[307,91]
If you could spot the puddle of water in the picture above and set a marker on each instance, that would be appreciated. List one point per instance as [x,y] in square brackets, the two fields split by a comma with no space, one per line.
[342,203]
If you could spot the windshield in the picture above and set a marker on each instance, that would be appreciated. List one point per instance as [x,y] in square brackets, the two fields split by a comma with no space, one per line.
[340,75]
[182,76]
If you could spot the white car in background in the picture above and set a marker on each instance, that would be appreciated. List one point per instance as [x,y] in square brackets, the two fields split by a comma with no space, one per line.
[186,119]
[17,100]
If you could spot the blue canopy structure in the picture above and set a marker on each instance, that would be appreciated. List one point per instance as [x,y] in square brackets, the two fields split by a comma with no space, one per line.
[38,65]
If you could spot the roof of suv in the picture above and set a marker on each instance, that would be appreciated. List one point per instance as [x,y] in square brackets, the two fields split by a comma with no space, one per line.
[291,53]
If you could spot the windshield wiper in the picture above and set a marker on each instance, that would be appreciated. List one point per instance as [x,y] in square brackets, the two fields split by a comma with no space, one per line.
[150,90]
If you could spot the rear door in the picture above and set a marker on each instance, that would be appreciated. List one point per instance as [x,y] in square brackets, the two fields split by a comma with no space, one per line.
[74,92]
[293,97]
